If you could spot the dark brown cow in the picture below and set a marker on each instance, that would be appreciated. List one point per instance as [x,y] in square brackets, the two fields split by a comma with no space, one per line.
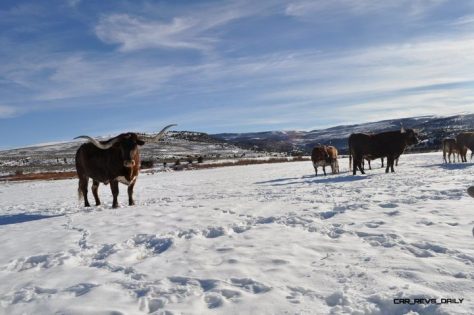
[450,146]
[389,144]
[112,161]
[320,157]
[465,140]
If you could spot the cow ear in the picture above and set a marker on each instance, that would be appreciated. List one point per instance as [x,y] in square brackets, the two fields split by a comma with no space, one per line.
[140,142]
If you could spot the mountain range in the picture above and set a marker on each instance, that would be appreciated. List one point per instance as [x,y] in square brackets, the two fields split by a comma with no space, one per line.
[431,130]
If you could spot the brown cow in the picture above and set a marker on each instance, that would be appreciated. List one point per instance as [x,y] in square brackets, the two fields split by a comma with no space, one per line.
[332,151]
[112,161]
[320,157]
[451,147]
[465,140]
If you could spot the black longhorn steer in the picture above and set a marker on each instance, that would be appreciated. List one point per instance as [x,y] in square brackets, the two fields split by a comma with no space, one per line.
[112,161]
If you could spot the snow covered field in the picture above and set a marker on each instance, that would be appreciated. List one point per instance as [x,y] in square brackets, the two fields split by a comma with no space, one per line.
[258,239]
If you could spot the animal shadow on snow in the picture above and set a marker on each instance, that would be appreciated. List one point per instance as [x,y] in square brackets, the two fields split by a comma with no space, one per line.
[311,179]
[450,166]
[23,217]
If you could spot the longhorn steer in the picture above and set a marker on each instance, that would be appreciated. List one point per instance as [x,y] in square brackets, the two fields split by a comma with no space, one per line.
[389,144]
[112,161]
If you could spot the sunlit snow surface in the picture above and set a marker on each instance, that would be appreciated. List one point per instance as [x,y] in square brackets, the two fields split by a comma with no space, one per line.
[259,239]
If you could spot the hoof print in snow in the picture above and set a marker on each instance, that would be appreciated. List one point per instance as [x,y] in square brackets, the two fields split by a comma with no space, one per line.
[81,288]
[250,285]
[153,243]
[213,232]
[213,300]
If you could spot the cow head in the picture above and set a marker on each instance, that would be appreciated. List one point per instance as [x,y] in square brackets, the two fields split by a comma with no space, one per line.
[411,137]
[127,143]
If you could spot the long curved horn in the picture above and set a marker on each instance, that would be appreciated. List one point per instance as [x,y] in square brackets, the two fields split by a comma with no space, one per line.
[98,144]
[161,134]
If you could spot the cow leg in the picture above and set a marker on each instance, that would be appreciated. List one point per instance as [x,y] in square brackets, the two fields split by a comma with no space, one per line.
[370,166]
[83,182]
[115,192]
[389,164]
[335,167]
[130,194]
[382,162]
[358,160]
[324,170]
[315,170]
[95,187]
[396,161]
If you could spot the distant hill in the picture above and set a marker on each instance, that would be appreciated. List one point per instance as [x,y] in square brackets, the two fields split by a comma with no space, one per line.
[185,144]
[175,145]
[432,129]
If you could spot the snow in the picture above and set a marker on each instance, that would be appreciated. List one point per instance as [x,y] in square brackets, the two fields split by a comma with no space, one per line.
[260,239]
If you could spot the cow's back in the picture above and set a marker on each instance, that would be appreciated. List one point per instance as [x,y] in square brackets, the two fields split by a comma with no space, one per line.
[101,165]
[318,154]
[360,143]
[466,139]
[390,143]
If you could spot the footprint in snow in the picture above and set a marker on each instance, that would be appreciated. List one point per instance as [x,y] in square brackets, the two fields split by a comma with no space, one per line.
[388,205]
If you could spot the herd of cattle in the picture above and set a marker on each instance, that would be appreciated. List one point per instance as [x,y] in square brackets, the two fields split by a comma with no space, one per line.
[458,146]
[117,160]
[390,145]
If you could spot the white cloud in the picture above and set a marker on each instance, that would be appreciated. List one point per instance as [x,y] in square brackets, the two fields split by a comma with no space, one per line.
[133,33]
[195,29]
[73,3]
[413,8]
[7,111]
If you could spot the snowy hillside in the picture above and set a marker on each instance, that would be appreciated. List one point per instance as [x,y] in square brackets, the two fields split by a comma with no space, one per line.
[432,130]
[176,145]
[260,239]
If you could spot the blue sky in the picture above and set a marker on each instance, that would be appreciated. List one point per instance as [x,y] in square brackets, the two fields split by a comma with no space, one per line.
[72,67]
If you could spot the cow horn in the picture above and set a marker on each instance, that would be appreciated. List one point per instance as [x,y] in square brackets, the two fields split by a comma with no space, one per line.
[161,134]
[98,144]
